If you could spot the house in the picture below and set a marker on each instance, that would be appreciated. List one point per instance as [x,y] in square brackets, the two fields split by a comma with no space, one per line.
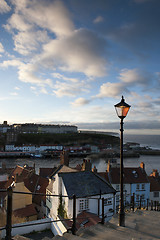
[154,179]
[22,206]
[89,189]
[24,179]
[37,185]
[135,182]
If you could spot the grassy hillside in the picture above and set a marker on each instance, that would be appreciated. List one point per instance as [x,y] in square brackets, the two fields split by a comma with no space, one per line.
[67,139]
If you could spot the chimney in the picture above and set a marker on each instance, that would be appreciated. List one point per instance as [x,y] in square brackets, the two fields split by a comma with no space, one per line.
[64,160]
[94,169]
[86,165]
[108,166]
[155,173]
[142,166]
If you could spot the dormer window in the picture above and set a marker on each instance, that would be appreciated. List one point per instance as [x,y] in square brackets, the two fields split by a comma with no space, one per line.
[135,174]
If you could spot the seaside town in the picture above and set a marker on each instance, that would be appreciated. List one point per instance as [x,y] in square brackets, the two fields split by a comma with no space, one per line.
[79,120]
[55,195]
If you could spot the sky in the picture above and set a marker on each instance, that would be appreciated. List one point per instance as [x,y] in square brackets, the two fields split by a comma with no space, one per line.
[70,62]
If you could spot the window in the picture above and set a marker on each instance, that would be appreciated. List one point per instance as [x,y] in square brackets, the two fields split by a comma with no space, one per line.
[117,198]
[48,197]
[117,187]
[137,198]
[83,204]
[143,186]
[142,197]
[155,194]
[137,187]
[107,201]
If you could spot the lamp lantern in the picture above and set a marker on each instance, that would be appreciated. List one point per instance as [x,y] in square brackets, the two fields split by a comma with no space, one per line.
[122,108]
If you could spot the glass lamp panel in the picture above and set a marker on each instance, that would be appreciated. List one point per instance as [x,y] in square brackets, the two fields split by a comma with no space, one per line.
[122,111]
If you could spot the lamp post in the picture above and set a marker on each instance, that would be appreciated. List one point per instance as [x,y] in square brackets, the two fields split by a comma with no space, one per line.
[122,109]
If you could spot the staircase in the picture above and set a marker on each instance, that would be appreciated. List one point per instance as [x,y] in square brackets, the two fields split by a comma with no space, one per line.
[139,225]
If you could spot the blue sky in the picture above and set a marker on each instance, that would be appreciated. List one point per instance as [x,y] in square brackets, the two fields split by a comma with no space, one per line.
[70,61]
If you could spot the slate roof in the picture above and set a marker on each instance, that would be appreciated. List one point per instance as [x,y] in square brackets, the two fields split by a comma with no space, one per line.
[131,175]
[84,184]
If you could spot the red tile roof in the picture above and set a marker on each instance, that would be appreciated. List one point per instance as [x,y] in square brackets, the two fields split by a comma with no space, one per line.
[36,184]
[84,219]
[46,172]
[131,175]
[87,219]
[28,211]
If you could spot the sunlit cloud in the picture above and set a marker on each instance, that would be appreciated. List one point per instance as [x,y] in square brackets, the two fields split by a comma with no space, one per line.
[4,7]
[80,102]
[112,90]
[1,48]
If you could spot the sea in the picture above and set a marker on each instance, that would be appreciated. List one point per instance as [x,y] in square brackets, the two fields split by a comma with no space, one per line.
[151,162]
[152,141]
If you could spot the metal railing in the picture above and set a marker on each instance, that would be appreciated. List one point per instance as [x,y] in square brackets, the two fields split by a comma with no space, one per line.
[73,229]
[140,204]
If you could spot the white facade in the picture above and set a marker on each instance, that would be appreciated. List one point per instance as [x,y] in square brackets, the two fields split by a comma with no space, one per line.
[155,196]
[90,204]
[9,147]
[32,148]
[126,193]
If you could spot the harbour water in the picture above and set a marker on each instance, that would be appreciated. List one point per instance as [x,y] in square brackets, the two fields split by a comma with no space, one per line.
[151,162]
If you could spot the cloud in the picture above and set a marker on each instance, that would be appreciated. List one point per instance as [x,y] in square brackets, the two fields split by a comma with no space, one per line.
[80,102]
[67,89]
[112,90]
[4,7]
[135,125]
[1,48]
[43,32]
[50,15]
[81,51]
[134,76]
[62,77]
[98,19]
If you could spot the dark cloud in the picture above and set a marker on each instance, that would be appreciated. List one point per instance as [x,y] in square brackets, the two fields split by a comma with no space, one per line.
[115,125]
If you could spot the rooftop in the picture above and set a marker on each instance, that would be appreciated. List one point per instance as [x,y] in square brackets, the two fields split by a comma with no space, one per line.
[92,184]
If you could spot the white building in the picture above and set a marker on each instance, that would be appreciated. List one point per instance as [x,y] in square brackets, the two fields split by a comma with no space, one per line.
[89,189]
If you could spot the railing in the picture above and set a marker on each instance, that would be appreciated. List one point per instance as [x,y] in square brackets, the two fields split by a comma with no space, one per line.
[154,205]
[73,229]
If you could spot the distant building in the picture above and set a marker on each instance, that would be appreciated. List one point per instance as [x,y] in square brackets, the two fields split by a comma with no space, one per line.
[4,127]
[44,128]
[132,145]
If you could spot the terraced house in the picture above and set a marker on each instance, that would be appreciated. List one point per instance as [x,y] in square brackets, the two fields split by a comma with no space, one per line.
[135,182]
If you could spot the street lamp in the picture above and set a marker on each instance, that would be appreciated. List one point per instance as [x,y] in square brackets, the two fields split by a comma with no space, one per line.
[122,109]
